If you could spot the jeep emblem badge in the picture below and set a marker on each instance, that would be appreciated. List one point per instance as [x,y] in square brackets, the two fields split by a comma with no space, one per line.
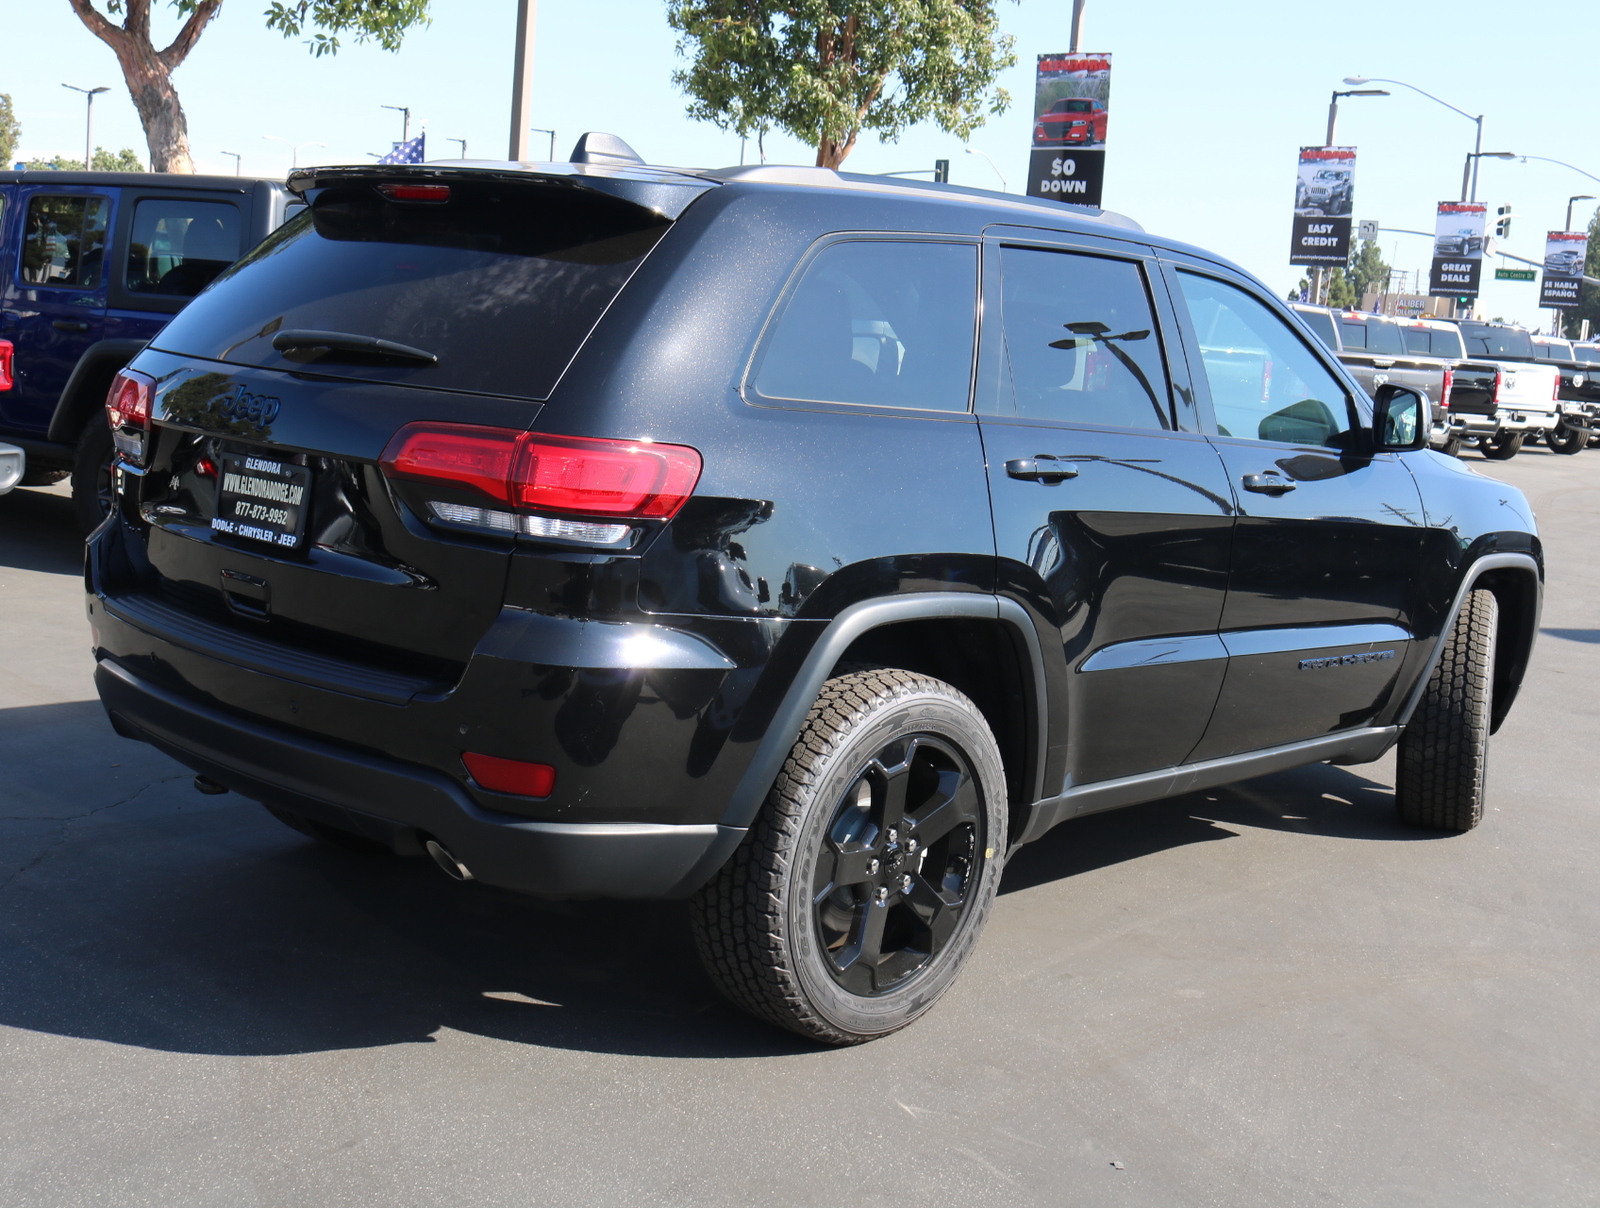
[240,406]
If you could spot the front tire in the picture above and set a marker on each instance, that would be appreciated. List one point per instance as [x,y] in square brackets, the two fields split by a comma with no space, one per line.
[1503,446]
[1444,751]
[1566,439]
[91,474]
[864,883]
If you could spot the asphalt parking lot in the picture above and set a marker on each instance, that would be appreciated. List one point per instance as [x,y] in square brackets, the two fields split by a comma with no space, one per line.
[1270,994]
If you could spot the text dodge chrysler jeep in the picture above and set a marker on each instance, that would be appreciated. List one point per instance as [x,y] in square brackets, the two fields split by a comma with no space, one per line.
[797,542]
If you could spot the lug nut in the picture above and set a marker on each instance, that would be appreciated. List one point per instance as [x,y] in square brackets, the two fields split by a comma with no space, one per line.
[912,846]
[881,897]
[894,835]
[905,883]
[872,868]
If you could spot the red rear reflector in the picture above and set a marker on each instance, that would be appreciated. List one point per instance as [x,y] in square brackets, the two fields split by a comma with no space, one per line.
[129,400]
[1449,383]
[415,192]
[510,775]
[570,475]
[7,374]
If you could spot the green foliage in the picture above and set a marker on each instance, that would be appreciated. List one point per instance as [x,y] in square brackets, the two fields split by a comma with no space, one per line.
[126,160]
[10,131]
[824,70]
[385,22]
[1589,297]
[1369,272]
[1341,291]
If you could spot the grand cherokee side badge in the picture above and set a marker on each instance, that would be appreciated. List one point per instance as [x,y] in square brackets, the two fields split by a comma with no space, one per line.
[1345,660]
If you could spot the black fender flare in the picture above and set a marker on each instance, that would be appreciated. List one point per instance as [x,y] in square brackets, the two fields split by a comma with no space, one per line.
[84,392]
[1505,691]
[845,628]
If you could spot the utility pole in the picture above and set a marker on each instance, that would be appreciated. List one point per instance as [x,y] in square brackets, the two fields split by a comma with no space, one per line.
[463,143]
[405,136]
[238,161]
[88,123]
[1077,27]
[522,81]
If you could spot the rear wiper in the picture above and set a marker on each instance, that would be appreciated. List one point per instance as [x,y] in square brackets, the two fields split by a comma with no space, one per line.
[343,341]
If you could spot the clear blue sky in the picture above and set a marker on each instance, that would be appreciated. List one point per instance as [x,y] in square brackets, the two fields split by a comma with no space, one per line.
[1209,103]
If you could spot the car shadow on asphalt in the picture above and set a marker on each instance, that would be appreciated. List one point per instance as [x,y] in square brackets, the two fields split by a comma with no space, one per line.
[39,532]
[1590,636]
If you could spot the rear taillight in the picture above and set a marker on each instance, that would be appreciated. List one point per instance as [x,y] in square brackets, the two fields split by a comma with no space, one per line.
[569,488]
[1444,390]
[433,193]
[8,376]
[1499,377]
[1555,391]
[128,405]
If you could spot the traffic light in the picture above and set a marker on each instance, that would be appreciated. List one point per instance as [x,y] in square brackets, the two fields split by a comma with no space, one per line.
[1502,228]
[941,171]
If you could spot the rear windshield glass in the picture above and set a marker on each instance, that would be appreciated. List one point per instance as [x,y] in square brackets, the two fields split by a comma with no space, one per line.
[1433,342]
[1372,334]
[1587,352]
[1486,341]
[501,282]
[1553,350]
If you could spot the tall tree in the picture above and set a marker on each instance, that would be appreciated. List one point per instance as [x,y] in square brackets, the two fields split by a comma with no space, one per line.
[10,132]
[148,71]
[825,70]
[1369,272]
[126,160]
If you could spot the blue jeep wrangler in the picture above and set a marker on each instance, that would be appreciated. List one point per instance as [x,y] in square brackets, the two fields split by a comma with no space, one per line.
[92,266]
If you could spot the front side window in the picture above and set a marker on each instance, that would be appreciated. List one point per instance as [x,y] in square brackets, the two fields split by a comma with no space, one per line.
[882,324]
[1081,340]
[1265,382]
[64,241]
[179,247]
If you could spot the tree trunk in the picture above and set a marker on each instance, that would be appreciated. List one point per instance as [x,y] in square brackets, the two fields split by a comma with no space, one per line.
[831,152]
[148,73]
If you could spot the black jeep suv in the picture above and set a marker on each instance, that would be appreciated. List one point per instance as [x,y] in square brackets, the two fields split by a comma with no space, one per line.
[797,542]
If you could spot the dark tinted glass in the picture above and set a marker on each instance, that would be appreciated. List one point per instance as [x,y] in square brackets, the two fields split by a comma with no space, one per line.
[502,283]
[1384,337]
[1446,344]
[1265,382]
[1321,323]
[1553,350]
[1354,335]
[64,241]
[1082,341]
[884,324]
[1587,352]
[179,246]
[1483,340]
[1416,340]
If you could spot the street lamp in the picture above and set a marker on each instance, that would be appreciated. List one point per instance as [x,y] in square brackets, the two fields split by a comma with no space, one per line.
[1469,167]
[463,143]
[294,159]
[1333,106]
[1004,188]
[405,130]
[1477,143]
[1570,200]
[88,122]
[552,134]
[237,160]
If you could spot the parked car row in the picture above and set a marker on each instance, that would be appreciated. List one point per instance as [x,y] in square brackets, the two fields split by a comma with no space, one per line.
[1492,386]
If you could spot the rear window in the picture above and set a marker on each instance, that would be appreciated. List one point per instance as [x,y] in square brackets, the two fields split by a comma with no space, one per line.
[1587,352]
[1321,323]
[1553,350]
[1432,342]
[1372,334]
[501,282]
[1485,341]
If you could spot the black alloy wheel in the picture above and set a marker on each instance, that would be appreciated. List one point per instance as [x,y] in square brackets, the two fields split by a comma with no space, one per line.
[898,864]
[1567,439]
[92,489]
[861,887]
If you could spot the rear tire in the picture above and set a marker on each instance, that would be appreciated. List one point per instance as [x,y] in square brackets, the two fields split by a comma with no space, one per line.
[1443,757]
[864,882]
[1503,446]
[1451,447]
[1568,440]
[91,474]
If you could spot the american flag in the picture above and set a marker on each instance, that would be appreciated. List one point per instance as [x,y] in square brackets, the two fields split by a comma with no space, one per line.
[409,152]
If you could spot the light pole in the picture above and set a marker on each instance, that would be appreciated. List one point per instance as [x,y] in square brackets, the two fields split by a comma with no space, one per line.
[405,129]
[237,160]
[1469,167]
[1077,27]
[522,81]
[88,122]
[463,143]
[1333,107]
[1004,188]
[1570,200]
[552,134]
[294,158]
[1477,144]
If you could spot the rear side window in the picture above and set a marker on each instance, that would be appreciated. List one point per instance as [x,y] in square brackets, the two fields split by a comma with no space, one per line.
[1353,334]
[1321,323]
[179,246]
[64,241]
[1384,337]
[879,324]
[1081,340]
[1431,342]
[500,281]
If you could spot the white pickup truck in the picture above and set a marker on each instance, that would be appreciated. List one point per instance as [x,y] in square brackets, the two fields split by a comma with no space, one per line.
[1526,393]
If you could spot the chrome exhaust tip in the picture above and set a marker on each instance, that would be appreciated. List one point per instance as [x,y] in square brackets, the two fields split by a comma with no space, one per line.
[453,868]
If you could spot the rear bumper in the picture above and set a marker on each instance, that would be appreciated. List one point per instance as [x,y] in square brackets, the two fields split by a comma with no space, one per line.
[403,804]
[13,461]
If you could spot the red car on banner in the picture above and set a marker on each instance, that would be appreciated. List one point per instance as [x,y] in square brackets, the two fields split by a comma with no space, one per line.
[1070,122]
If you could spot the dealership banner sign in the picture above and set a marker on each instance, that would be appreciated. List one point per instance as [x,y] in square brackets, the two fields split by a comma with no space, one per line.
[1068,160]
[1564,256]
[1457,249]
[1324,195]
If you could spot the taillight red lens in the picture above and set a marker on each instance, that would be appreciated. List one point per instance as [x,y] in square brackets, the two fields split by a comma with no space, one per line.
[8,377]
[1555,391]
[415,192]
[510,775]
[1444,390]
[129,400]
[565,475]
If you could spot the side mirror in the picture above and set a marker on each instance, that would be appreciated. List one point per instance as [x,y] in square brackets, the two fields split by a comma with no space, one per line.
[1401,420]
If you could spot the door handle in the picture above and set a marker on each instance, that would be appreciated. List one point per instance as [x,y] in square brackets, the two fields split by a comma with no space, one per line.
[1041,468]
[1268,483]
[1382,363]
[69,325]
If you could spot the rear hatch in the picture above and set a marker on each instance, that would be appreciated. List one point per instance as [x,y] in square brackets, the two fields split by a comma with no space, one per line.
[273,535]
